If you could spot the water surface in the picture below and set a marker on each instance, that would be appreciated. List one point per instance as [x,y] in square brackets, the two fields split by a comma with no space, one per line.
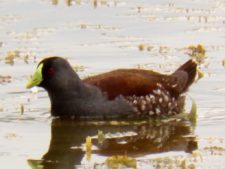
[96,37]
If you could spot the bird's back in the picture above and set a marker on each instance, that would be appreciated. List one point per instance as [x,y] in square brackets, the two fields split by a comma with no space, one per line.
[139,82]
[148,92]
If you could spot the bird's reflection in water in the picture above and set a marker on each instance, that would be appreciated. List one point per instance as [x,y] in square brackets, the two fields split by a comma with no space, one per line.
[133,138]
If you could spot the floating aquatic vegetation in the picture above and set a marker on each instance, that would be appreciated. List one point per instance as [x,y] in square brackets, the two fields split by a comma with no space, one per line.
[200,74]
[148,47]
[55,2]
[78,2]
[35,164]
[9,18]
[5,79]
[189,161]
[139,9]
[11,56]
[32,35]
[193,113]
[78,68]
[68,2]
[223,63]
[216,150]
[88,145]
[162,50]
[1,108]
[21,109]
[101,137]
[141,47]
[11,136]
[197,52]
[94,3]
[197,156]
[120,162]
[83,26]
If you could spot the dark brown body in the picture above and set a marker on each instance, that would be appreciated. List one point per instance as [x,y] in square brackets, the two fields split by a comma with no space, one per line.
[137,84]
[128,82]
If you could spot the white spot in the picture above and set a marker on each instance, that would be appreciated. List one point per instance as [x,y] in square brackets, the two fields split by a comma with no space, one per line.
[173,86]
[130,103]
[148,136]
[163,92]
[167,92]
[135,102]
[135,109]
[154,91]
[151,113]
[169,104]
[152,96]
[143,107]
[143,102]
[160,100]
[158,140]
[153,100]
[159,85]
[157,111]
[166,98]
[159,92]
[147,98]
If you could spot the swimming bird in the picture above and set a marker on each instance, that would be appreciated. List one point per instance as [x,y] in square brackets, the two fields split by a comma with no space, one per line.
[120,93]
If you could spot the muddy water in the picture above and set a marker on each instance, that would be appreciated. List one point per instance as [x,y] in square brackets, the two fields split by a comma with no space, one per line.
[97,36]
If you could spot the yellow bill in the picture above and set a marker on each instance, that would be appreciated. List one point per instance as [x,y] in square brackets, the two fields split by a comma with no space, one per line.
[36,79]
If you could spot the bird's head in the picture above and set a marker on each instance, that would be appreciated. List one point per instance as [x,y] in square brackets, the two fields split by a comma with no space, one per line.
[53,73]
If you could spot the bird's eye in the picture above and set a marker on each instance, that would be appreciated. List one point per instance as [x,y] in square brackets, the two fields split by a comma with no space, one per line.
[51,70]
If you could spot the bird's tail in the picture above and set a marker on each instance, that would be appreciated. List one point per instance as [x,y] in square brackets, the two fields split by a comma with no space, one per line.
[188,69]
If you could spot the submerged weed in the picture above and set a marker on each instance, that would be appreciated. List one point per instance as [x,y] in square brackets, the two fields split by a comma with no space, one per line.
[101,137]
[197,52]
[5,79]
[141,47]
[223,63]
[11,56]
[88,145]
[119,161]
